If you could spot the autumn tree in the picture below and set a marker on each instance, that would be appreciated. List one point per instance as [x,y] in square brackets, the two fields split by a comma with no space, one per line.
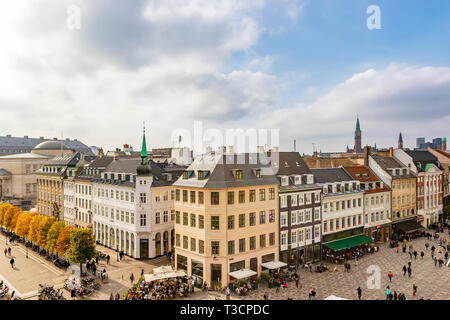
[82,246]
[53,234]
[23,223]
[9,215]
[44,226]
[33,233]
[63,241]
[3,208]
[15,217]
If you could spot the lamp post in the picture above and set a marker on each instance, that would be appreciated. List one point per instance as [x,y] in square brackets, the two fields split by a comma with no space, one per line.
[26,251]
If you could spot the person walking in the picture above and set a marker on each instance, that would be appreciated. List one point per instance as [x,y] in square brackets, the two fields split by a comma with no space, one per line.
[73,294]
[107,259]
[409,264]
[296,281]
[388,293]
[398,249]
[415,255]
[390,276]
[111,297]
[9,251]
[404,270]
[427,245]
[435,261]
[94,269]
[414,290]
[359,293]
[446,255]
[96,259]
[12,262]
[117,296]
[6,251]
[409,272]
[422,254]
[132,278]
[395,295]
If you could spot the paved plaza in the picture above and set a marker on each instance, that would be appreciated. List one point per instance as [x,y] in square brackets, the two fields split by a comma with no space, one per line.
[29,272]
[433,281]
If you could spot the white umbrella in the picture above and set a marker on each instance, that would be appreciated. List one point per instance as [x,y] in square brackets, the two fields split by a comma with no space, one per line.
[332,297]
[274,264]
[242,274]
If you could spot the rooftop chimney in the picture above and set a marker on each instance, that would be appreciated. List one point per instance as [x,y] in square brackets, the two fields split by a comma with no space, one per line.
[391,151]
[100,153]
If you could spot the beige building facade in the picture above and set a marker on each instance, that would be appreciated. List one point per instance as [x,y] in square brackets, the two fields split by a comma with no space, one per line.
[226,219]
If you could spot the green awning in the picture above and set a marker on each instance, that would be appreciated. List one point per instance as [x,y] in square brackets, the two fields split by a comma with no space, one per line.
[348,243]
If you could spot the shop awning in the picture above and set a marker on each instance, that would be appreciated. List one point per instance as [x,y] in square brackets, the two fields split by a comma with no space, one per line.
[273,264]
[242,274]
[348,243]
[409,226]
[332,297]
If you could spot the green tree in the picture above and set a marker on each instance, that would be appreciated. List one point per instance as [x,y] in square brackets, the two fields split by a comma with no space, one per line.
[44,226]
[82,246]
[53,234]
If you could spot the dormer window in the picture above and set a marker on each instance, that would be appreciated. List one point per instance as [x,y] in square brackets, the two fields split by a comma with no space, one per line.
[238,174]
[200,175]
[185,175]
[284,181]
[258,173]
[310,179]
[298,180]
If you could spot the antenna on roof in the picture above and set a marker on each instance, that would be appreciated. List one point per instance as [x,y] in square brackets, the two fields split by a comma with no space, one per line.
[295,145]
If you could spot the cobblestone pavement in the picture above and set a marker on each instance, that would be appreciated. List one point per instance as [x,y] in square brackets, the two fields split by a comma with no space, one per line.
[29,272]
[433,281]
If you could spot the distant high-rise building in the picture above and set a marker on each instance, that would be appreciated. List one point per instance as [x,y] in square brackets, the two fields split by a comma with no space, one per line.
[444,144]
[419,142]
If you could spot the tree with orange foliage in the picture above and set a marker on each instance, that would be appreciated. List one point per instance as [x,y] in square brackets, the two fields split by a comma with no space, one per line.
[23,223]
[63,242]
[7,218]
[44,225]
[33,233]
[14,219]
[3,208]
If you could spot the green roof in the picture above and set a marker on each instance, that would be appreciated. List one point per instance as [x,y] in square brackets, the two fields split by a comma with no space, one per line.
[428,166]
[348,243]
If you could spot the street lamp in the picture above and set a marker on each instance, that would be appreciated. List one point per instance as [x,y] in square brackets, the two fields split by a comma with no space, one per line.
[26,251]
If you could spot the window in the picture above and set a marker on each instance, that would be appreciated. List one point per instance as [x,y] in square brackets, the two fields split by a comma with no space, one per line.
[177,217]
[143,197]
[283,219]
[215,247]
[272,216]
[185,242]
[193,244]
[157,217]
[262,194]
[201,246]
[252,243]
[200,197]
[230,197]
[238,174]
[201,221]
[185,196]
[271,193]
[230,222]
[241,245]
[262,217]
[177,240]
[157,197]
[192,196]
[166,216]
[193,220]
[177,195]
[143,220]
[252,196]
[185,218]
[241,196]
[252,216]
[242,220]
[262,241]
[131,196]
[230,247]
[214,198]
[214,222]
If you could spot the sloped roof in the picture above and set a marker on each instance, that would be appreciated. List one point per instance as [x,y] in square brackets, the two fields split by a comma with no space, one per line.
[290,163]
[326,175]
[26,156]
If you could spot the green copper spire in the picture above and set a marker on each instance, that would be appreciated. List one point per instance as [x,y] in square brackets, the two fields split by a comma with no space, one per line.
[144,146]
[144,168]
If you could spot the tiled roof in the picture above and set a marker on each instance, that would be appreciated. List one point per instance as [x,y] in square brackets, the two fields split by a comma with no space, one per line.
[290,163]
[325,175]
[363,174]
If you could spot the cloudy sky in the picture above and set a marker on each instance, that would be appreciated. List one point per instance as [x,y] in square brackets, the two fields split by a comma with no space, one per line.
[304,67]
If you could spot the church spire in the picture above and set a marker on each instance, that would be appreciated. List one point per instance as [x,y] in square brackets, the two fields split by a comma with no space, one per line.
[358,128]
[400,141]
[144,168]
